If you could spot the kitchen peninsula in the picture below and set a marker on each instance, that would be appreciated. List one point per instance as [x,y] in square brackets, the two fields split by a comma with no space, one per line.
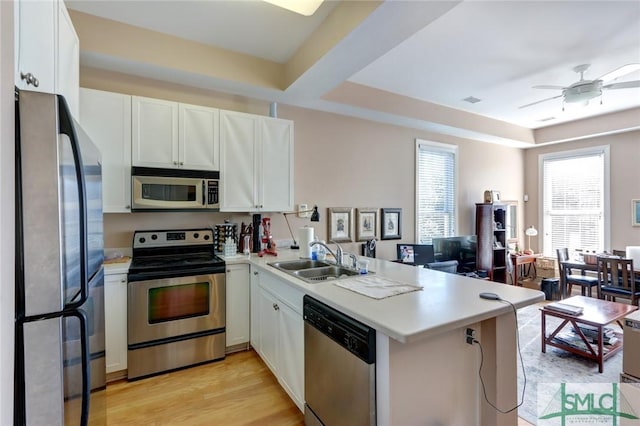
[426,373]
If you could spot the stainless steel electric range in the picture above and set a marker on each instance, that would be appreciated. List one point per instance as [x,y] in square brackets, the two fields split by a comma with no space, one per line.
[176,301]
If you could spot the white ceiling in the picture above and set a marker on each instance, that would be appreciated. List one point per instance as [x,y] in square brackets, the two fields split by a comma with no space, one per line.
[491,50]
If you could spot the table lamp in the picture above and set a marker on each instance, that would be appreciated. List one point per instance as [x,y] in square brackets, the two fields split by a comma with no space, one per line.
[530,232]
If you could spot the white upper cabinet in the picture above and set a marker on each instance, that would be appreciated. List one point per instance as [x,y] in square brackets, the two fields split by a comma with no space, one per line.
[199,146]
[68,61]
[172,135]
[154,133]
[35,27]
[277,164]
[256,169]
[47,52]
[106,117]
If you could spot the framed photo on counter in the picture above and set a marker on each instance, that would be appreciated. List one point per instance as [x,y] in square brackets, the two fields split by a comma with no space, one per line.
[391,223]
[340,224]
[367,223]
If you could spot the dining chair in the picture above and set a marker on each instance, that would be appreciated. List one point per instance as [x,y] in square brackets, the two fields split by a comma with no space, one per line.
[450,266]
[586,282]
[616,279]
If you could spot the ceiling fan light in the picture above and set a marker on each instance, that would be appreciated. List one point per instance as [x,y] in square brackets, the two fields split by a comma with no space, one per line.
[302,7]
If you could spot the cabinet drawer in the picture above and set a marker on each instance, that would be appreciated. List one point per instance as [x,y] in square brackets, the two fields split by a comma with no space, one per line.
[284,291]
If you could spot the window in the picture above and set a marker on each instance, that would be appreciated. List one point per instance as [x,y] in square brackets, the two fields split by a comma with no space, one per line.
[575,194]
[436,166]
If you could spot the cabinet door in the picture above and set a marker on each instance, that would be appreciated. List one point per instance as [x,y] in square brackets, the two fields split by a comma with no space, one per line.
[237,286]
[268,307]
[35,44]
[238,145]
[115,322]
[199,147]
[106,117]
[68,61]
[276,167]
[291,353]
[154,133]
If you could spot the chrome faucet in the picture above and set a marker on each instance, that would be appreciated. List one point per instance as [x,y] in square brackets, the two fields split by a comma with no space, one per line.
[354,259]
[338,253]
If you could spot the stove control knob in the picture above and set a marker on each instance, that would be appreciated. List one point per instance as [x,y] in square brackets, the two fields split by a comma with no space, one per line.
[154,237]
[142,240]
[196,235]
[206,237]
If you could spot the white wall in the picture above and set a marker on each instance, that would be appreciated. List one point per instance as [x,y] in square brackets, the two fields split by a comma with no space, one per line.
[7,222]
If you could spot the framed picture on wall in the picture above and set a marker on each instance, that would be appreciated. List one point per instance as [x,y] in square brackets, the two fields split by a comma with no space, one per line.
[340,224]
[635,212]
[366,224]
[390,224]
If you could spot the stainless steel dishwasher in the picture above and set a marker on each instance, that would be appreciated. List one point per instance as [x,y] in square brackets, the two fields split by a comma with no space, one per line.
[339,368]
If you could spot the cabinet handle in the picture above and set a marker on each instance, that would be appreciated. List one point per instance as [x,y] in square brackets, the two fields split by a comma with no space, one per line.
[30,79]
[276,307]
[123,280]
[255,272]
[182,163]
[228,270]
[175,163]
[127,207]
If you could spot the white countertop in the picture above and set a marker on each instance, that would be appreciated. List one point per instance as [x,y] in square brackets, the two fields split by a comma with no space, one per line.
[117,268]
[447,301]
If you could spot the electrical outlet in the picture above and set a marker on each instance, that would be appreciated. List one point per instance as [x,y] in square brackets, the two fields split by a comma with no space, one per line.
[469,335]
[303,208]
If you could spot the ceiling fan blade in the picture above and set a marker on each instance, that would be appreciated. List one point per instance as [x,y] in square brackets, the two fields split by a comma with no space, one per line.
[549,86]
[623,85]
[617,73]
[540,101]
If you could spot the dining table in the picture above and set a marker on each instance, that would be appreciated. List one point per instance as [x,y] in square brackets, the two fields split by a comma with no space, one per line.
[583,267]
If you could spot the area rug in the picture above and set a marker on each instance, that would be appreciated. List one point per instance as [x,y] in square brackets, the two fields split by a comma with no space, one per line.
[554,366]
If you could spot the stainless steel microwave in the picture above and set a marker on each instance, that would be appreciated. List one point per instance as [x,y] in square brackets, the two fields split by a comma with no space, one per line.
[178,190]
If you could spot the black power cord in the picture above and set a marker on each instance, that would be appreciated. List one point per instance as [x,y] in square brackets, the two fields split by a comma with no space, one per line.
[493,296]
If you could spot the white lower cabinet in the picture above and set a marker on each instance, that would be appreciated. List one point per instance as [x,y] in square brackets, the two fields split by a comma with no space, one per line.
[237,283]
[115,322]
[277,328]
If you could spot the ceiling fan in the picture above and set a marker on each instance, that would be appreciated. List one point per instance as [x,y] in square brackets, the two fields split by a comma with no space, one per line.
[583,90]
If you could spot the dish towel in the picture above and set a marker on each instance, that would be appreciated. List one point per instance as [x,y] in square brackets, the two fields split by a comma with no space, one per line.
[376,287]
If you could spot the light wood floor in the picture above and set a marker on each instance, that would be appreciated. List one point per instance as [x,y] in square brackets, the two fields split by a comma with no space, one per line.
[237,391]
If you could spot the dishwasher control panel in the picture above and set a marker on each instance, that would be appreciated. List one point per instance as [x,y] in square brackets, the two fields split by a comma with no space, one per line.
[349,333]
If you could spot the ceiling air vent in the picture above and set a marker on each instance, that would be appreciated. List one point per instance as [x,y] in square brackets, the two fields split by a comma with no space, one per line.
[542,120]
[472,100]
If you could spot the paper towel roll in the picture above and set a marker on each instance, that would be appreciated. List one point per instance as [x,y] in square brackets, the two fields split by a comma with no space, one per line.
[305,236]
[633,252]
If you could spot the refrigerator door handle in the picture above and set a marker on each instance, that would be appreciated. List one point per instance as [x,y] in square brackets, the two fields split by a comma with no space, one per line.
[66,127]
[86,378]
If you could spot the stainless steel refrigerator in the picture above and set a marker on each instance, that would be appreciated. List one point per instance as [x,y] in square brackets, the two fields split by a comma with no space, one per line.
[60,343]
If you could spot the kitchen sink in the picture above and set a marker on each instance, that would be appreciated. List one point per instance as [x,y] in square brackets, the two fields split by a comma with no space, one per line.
[324,273]
[314,271]
[296,265]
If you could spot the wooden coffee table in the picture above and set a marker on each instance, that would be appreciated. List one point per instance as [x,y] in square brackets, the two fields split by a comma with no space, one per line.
[596,313]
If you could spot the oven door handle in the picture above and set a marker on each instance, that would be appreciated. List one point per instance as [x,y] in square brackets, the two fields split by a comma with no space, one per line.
[204,194]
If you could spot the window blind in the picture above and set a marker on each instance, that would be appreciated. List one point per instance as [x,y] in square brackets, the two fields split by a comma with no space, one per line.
[573,194]
[436,191]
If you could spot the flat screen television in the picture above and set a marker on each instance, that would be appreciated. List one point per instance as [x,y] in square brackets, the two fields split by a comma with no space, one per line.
[461,248]
[415,254]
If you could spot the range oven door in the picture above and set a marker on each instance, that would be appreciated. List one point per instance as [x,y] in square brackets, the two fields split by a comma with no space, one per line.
[165,308]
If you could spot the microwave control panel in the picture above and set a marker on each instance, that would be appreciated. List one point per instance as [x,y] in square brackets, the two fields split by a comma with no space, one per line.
[212,192]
